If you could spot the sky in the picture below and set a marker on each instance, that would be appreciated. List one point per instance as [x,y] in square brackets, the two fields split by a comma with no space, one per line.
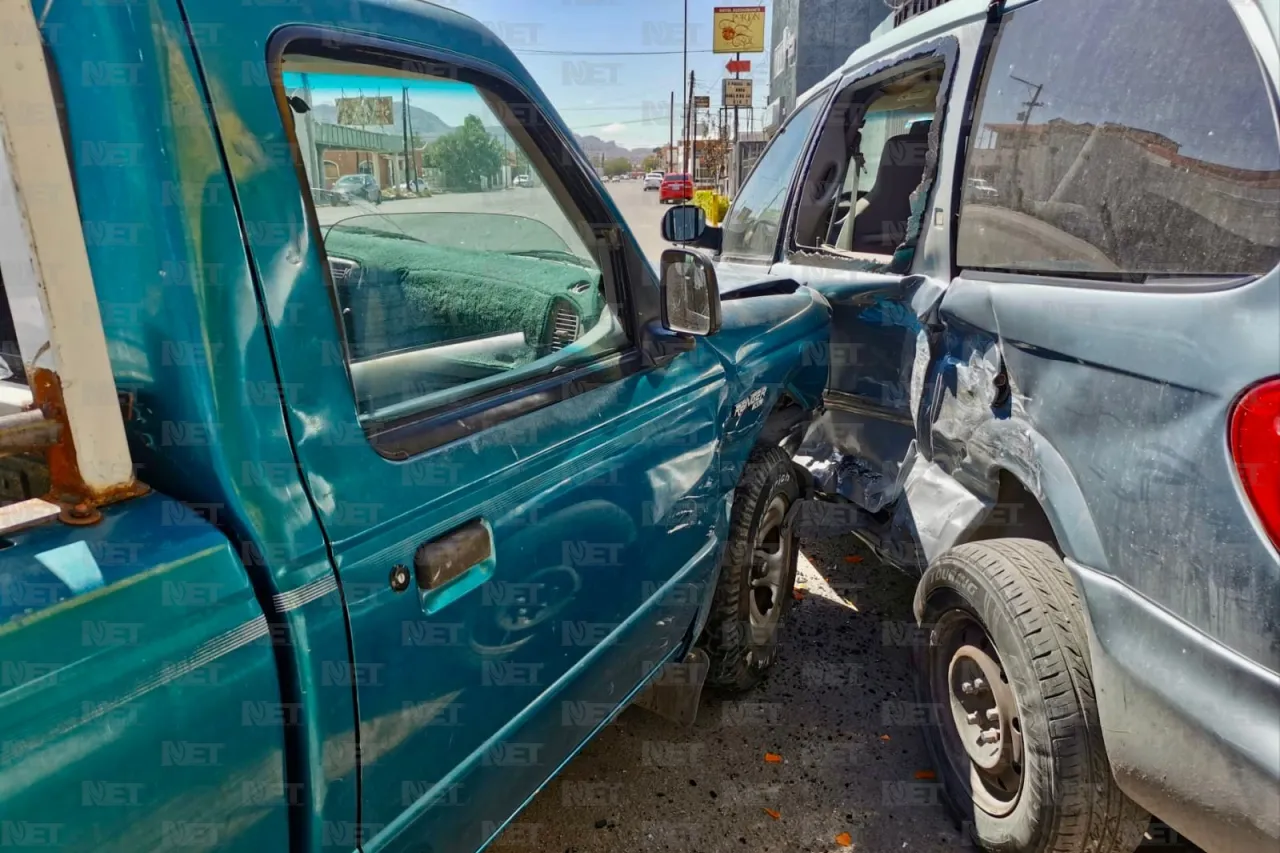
[609,66]
[450,101]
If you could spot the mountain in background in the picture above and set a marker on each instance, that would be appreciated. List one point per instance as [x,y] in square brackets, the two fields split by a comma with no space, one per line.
[429,127]
[595,146]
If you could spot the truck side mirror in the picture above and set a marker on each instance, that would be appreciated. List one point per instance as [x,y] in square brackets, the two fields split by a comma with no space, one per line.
[690,293]
[683,223]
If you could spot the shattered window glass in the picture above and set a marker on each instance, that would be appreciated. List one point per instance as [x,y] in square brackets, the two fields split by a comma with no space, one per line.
[869,160]
[1111,141]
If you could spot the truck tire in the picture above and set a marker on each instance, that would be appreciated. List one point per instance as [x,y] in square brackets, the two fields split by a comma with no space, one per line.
[757,575]
[1017,743]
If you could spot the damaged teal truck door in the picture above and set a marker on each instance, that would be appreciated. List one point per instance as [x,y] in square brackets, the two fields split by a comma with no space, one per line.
[520,488]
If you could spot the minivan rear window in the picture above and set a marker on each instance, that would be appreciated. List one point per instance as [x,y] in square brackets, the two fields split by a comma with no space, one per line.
[1106,144]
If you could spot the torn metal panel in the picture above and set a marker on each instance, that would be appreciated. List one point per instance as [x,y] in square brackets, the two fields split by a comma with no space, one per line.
[851,455]
[880,356]
[936,508]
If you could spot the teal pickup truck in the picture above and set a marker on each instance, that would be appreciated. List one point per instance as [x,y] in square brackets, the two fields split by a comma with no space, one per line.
[341,527]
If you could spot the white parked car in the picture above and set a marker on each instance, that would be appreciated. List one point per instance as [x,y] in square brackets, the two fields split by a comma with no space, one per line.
[521,181]
[653,181]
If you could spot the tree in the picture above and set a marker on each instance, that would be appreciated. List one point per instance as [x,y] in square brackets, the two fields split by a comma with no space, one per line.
[652,163]
[521,166]
[467,155]
[617,166]
[711,156]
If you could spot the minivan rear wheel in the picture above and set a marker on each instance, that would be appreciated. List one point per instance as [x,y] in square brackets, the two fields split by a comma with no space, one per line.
[1017,743]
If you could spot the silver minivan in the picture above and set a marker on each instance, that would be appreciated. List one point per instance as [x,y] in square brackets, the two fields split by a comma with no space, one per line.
[1049,234]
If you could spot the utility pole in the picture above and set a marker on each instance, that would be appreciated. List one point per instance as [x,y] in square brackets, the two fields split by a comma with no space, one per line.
[737,57]
[671,134]
[408,125]
[314,164]
[404,131]
[1025,117]
[688,121]
[684,147]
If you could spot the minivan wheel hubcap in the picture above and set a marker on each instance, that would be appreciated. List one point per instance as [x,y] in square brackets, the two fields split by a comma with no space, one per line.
[770,556]
[985,741]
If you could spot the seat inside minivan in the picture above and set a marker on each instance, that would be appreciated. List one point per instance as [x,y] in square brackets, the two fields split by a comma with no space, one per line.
[870,159]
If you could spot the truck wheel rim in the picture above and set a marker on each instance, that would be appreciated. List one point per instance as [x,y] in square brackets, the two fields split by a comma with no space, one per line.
[984,741]
[770,557]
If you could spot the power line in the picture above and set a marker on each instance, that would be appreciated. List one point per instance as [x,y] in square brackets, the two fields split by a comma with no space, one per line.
[649,120]
[607,52]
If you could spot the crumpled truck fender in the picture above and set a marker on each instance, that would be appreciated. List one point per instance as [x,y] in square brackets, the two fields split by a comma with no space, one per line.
[773,347]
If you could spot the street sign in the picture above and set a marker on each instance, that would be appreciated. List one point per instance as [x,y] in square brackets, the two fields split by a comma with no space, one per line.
[702,102]
[364,112]
[738,29]
[736,93]
[738,66]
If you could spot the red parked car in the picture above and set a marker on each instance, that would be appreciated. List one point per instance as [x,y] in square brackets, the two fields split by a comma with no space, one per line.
[675,187]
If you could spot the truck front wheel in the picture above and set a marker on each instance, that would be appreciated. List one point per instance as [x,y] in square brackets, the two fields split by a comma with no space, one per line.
[757,574]
[1016,741]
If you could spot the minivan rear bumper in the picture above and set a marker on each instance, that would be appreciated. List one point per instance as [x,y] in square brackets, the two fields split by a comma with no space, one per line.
[1192,729]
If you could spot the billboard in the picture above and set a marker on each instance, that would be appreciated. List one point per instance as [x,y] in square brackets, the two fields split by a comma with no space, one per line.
[738,29]
[736,93]
[702,102]
[365,112]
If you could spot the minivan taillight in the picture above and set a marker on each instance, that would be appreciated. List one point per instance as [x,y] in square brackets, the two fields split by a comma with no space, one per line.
[1255,447]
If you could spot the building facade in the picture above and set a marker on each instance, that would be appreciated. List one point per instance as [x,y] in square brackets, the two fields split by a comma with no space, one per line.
[809,40]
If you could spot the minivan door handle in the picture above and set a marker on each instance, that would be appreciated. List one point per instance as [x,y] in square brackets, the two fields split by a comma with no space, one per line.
[453,564]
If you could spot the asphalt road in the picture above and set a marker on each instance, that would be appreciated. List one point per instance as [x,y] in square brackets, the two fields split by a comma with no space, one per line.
[643,213]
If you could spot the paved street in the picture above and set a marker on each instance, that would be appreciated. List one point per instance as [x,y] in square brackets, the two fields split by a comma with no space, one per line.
[643,213]
[836,709]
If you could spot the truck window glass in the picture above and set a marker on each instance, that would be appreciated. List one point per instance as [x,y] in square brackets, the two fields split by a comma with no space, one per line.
[11,367]
[868,161]
[1099,149]
[456,269]
[751,226]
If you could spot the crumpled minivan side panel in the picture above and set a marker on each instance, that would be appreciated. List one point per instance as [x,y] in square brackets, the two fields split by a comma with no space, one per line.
[1115,423]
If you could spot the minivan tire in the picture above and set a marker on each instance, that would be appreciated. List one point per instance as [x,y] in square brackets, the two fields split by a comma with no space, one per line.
[742,631]
[1014,601]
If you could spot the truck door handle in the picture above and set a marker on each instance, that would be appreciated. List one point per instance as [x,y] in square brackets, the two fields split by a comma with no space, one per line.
[453,564]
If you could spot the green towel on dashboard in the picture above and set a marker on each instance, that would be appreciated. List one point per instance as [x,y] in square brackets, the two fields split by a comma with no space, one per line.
[415,294]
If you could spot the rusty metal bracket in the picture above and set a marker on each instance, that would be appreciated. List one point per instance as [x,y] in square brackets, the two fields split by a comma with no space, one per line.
[67,488]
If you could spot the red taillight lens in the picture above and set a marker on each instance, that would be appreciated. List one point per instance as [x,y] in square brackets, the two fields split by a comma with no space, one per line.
[1255,447]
